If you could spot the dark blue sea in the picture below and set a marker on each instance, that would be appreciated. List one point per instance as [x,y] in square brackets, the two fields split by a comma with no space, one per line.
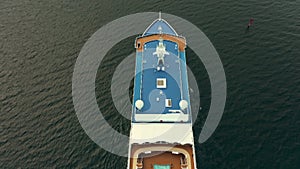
[41,40]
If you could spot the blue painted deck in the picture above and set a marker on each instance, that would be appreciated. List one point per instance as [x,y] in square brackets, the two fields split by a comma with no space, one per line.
[146,74]
[165,28]
[150,74]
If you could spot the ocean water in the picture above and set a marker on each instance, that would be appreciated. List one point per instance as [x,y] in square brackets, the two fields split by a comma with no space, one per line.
[40,41]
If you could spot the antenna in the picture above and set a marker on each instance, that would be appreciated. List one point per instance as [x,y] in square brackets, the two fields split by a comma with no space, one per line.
[159,15]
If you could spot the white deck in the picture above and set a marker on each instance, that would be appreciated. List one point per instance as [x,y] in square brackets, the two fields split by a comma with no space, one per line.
[169,132]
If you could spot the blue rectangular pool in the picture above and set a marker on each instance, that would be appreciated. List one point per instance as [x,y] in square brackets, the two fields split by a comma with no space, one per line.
[161,166]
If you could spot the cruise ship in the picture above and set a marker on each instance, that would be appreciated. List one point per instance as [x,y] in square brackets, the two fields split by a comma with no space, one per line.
[161,135]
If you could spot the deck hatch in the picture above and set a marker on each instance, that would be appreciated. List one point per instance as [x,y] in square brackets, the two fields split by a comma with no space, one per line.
[168,103]
[161,83]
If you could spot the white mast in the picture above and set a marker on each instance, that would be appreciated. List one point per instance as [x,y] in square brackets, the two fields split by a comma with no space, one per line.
[159,15]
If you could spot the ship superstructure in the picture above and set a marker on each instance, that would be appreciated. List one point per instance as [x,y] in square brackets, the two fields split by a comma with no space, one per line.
[161,135]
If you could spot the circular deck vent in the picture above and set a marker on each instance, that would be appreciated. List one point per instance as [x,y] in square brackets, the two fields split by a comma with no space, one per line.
[139,104]
[183,104]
